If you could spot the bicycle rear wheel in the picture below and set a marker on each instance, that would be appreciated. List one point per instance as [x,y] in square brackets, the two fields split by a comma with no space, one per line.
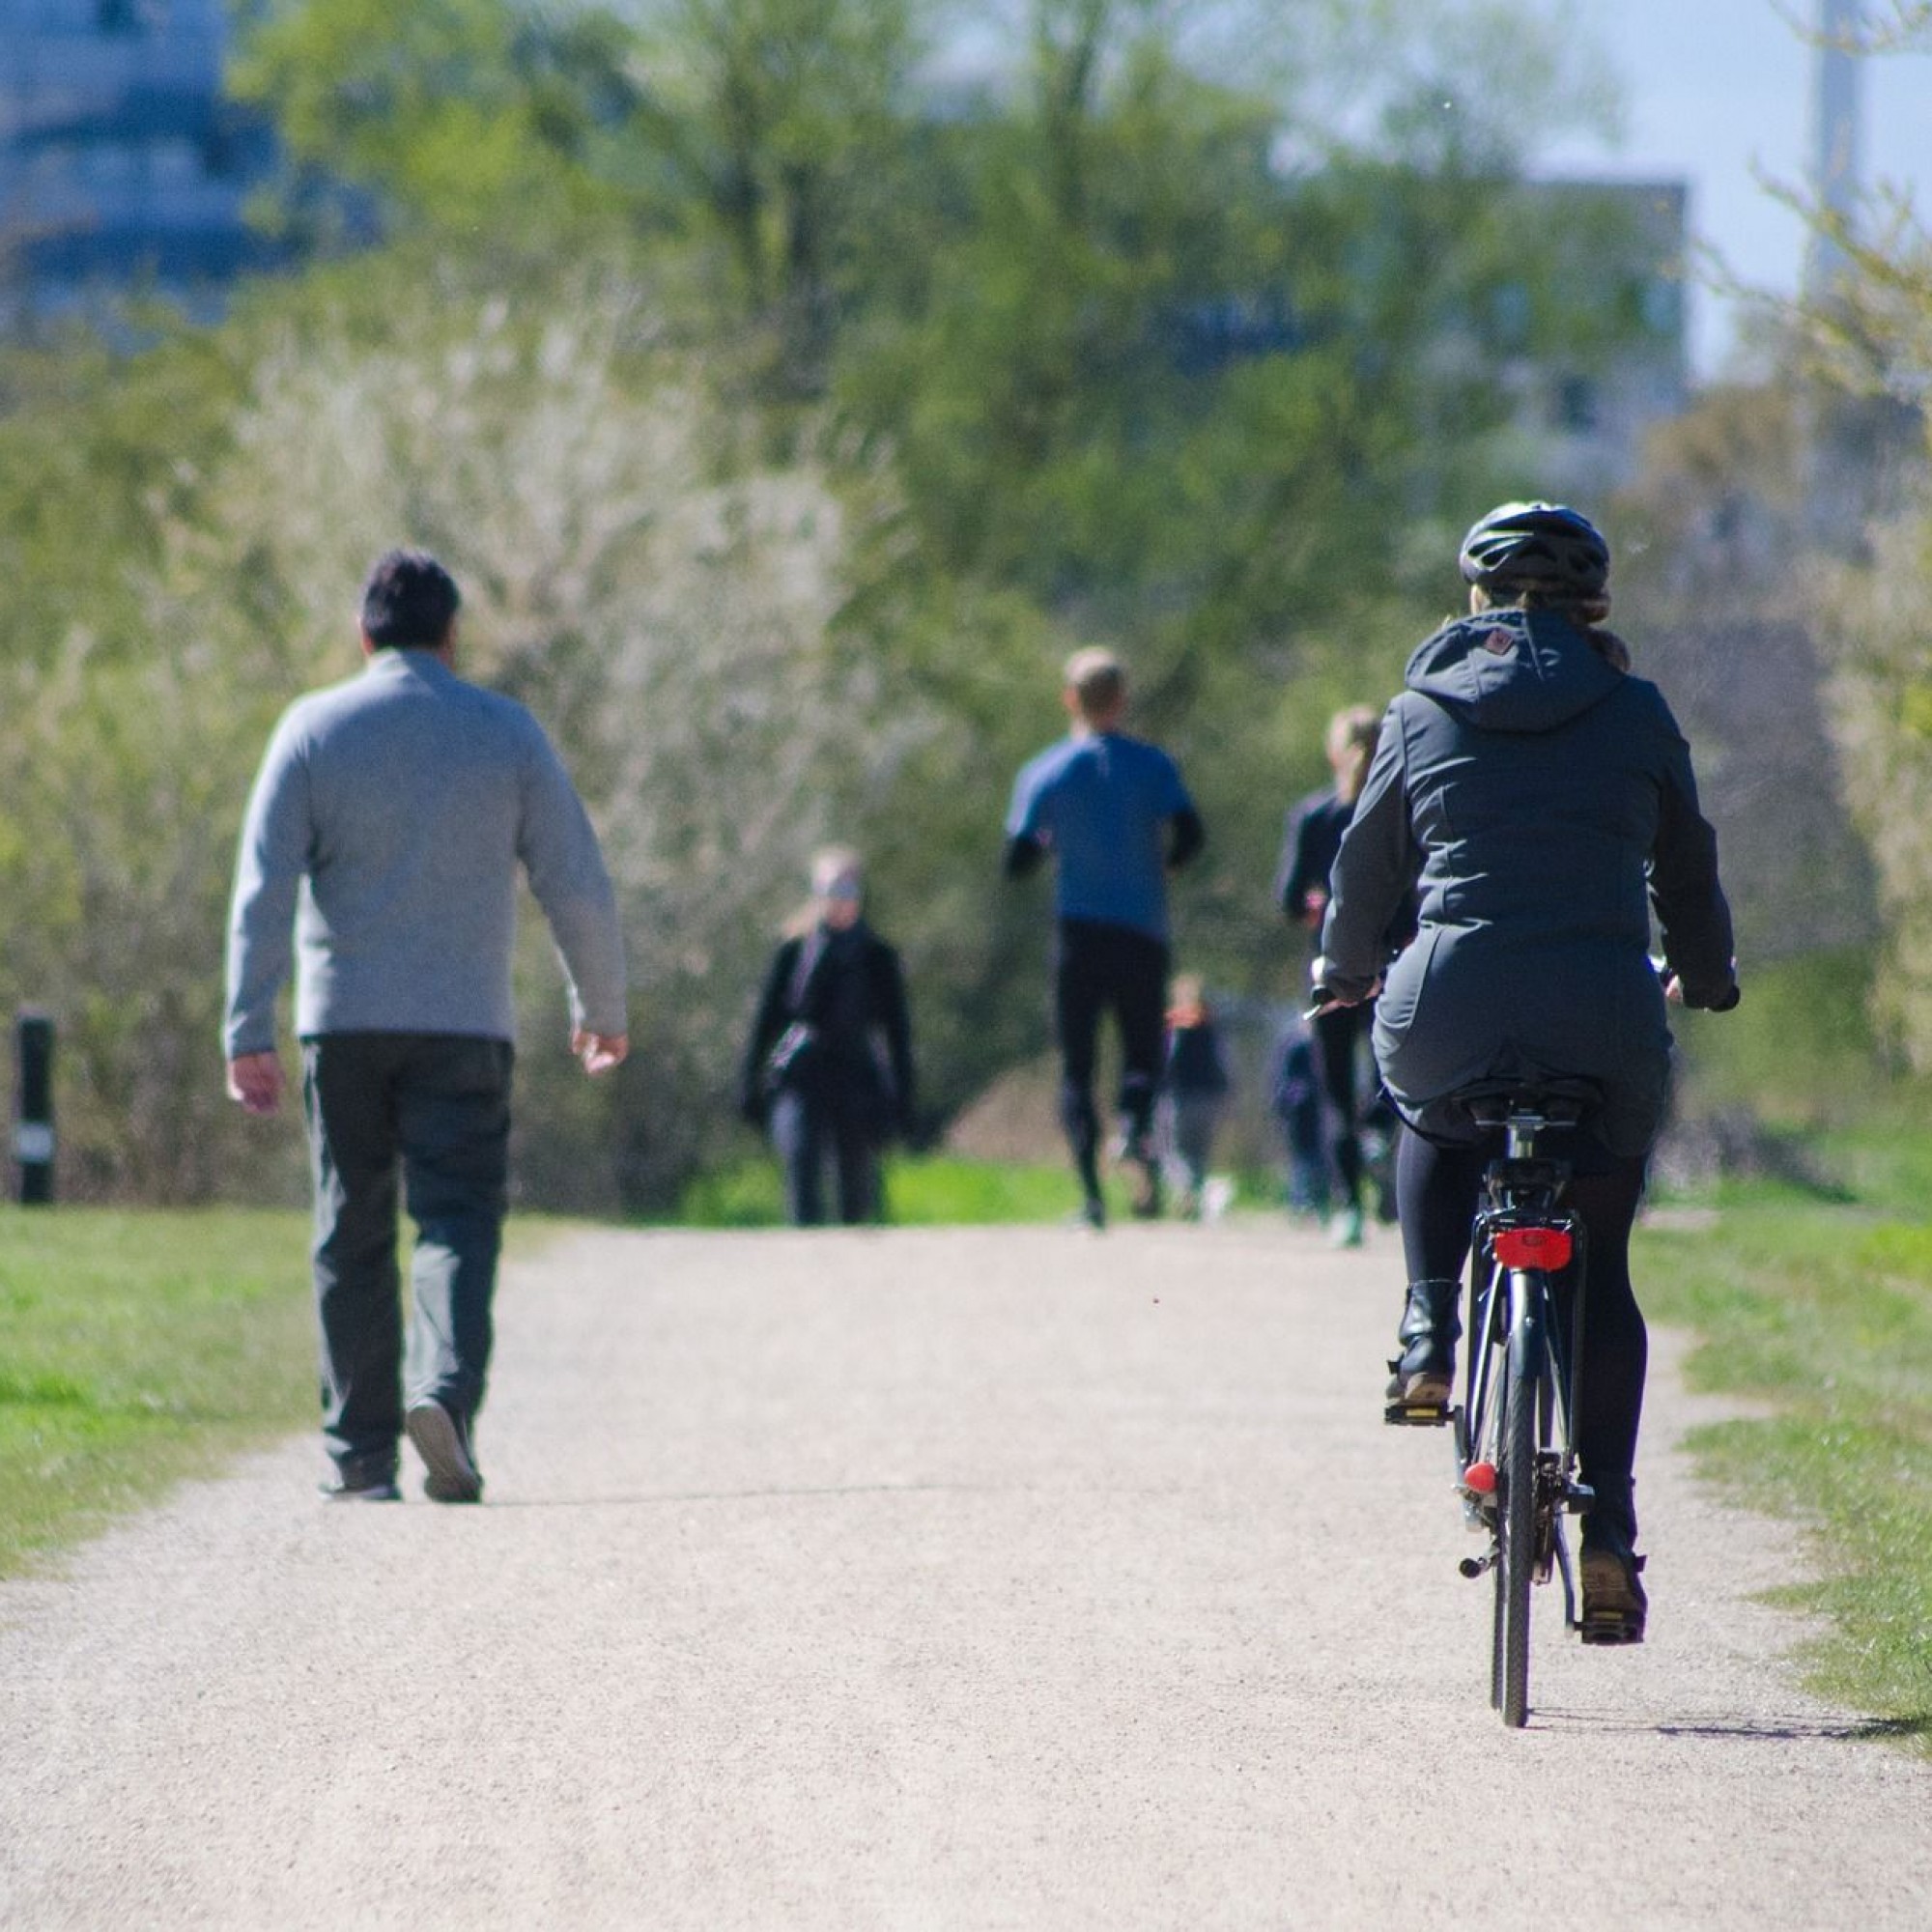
[1516,1536]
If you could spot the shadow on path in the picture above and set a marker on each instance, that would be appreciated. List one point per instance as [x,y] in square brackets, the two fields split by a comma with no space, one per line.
[1770,1729]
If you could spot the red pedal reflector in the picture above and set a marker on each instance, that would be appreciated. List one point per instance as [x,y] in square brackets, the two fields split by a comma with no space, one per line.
[1533,1248]
[1480,1479]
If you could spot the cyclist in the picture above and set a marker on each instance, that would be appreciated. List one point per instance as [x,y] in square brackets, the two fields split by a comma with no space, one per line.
[1543,800]
[1113,811]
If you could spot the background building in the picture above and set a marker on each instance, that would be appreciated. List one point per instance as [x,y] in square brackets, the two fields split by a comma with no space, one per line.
[1586,410]
[123,167]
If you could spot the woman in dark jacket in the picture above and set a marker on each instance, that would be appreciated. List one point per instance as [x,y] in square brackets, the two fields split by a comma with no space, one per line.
[827,1068]
[1543,800]
[1313,838]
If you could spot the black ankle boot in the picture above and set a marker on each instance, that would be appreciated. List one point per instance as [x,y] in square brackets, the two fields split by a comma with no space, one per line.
[1425,1369]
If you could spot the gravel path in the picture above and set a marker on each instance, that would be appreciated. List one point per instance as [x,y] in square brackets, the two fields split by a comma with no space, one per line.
[899,1579]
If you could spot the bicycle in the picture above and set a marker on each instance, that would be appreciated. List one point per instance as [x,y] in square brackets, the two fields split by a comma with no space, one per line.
[1516,1460]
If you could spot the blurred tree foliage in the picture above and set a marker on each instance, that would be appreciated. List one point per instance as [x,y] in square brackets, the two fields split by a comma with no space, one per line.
[787,409]
[1873,603]
[1714,571]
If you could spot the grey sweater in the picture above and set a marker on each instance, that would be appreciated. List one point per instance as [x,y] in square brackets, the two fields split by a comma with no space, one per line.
[386,831]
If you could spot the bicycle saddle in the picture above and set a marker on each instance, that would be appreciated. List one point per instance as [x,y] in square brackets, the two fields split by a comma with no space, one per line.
[1559,1099]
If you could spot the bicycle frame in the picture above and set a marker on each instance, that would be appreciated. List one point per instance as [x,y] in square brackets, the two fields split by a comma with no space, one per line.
[1522,1351]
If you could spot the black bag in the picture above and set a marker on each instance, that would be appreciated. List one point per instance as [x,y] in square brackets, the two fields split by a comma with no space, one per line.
[796,1052]
[791,1058]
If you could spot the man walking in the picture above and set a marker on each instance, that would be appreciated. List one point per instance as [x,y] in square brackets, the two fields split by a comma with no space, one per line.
[387,828]
[1113,811]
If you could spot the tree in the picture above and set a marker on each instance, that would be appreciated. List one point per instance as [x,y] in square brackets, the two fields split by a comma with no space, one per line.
[785,426]
[1217,413]
[760,130]
[1873,608]
[782,121]
[477,116]
[1869,339]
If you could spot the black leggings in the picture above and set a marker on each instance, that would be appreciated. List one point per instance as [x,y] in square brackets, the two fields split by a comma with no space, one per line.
[1100,968]
[1437,1192]
[1335,1037]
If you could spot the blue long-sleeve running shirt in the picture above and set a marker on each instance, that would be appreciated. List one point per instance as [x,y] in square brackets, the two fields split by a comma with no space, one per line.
[1101,802]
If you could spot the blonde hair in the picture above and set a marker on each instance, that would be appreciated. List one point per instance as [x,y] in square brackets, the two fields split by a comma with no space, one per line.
[1586,614]
[1351,743]
[1097,680]
[832,863]
[829,865]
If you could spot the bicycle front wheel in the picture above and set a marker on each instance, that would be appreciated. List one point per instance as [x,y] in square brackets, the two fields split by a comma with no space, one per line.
[1516,1536]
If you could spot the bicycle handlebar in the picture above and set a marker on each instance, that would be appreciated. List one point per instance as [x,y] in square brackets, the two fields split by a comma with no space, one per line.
[1325,1000]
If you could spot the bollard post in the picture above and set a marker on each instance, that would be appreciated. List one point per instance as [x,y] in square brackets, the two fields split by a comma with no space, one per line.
[34,1109]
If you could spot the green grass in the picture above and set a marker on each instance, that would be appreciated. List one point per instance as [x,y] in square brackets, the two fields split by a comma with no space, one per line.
[1797,1051]
[136,1349]
[1822,1310]
[921,1191]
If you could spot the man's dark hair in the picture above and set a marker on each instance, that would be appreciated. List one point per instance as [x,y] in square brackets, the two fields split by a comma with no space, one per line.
[409,602]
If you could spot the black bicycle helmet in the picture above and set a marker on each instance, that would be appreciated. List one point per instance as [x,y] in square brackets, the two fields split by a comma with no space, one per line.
[1536,543]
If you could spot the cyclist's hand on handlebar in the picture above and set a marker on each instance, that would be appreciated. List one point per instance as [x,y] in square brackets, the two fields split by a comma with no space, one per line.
[1674,991]
[1327,999]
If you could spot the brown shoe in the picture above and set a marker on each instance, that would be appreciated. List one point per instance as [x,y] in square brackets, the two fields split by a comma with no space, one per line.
[1615,1604]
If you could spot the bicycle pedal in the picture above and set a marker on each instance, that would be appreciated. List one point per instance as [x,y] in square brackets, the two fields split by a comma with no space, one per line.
[1416,1414]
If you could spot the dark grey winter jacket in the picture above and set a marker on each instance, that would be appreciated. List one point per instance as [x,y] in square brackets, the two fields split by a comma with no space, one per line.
[1543,802]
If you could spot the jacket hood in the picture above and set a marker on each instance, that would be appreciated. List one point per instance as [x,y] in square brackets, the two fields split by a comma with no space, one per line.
[1511,670]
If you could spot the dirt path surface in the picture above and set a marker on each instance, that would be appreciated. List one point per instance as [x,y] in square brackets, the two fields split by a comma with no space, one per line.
[900,1579]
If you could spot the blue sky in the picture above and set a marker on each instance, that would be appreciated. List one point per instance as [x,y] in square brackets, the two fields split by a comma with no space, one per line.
[1715,88]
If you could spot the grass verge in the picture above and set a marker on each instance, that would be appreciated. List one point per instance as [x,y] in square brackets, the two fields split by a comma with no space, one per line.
[921,1191]
[1822,1310]
[137,1348]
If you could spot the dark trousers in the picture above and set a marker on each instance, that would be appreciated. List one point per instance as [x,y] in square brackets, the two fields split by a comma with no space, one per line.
[1099,969]
[807,1127]
[429,1112]
[1336,1037]
[1437,1188]
[1195,1116]
[1297,1106]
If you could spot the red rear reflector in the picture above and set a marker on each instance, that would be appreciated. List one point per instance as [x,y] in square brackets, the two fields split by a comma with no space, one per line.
[1533,1248]
[1480,1479]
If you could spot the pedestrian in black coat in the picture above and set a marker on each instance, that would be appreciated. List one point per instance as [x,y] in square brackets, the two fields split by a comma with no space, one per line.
[1313,838]
[828,1069]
